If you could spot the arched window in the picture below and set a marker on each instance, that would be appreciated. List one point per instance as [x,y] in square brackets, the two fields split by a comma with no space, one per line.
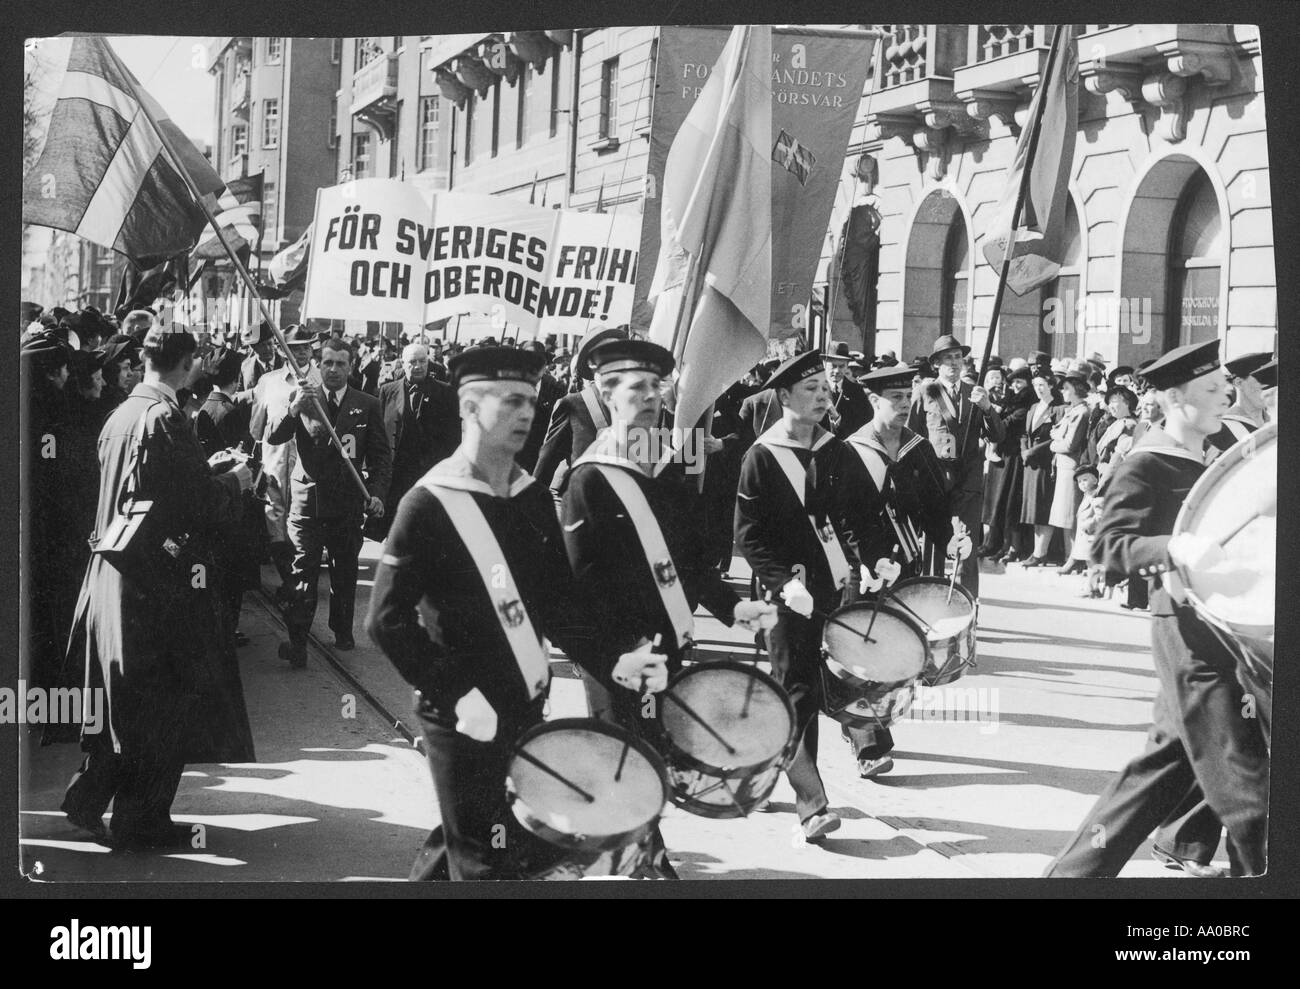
[1195,260]
[1064,288]
[953,314]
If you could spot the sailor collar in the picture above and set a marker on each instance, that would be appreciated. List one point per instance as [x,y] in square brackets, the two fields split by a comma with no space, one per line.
[459,473]
[604,449]
[1157,440]
[866,436]
[777,436]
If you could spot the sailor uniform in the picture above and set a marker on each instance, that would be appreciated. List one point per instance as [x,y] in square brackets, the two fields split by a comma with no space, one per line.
[1198,736]
[449,631]
[787,534]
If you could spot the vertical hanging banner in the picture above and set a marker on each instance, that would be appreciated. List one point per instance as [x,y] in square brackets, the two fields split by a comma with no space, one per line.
[381,251]
[817,82]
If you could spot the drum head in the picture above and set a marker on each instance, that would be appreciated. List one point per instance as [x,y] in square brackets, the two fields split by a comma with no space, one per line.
[897,652]
[587,752]
[743,705]
[928,597]
[1239,592]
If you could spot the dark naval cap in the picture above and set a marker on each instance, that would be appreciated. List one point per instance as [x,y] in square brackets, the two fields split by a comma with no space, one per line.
[797,368]
[1183,364]
[615,354]
[495,364]
[1246,364]
[885,378]
[1266,375]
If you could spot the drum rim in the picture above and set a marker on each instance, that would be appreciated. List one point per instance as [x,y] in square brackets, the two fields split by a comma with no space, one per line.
[736,771]
[894,613]
[726,812]
[942,582]
[526,814]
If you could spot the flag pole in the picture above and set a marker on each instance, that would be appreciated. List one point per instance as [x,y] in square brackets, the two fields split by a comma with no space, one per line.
[1035,124]
[247,280]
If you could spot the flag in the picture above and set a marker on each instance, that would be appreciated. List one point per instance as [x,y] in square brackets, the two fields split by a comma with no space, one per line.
[712,285]
[103,173]
[532,193]
[140,289]
[238,210]
[1048,157]
[288,269]
[793,157]
[600,196]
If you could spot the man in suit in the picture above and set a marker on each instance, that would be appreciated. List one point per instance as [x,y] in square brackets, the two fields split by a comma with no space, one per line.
[327,508]
[422,422]
[261,355]
[549,391]
[850,407]
[576,418]
[955,416]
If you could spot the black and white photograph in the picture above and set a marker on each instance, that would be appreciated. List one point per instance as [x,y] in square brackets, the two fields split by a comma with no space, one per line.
[675,452]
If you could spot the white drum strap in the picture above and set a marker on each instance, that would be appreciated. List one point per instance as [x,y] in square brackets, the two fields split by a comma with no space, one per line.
[830,543]
[594,408]
[525,643]
[655,548]
[909,540]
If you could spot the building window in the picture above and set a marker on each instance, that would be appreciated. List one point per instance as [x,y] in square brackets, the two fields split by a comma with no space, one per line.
[274,50]
[238,141]
[361,164]
[496,116]
[334,122]
[367,50]
[522,122]
[956,278]
[609,98]
[270,123]
[471,103]
[554,125]
[1195,261]
[427,150]
[336,50]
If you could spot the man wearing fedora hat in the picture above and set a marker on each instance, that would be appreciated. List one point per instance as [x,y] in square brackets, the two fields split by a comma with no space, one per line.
[850,407]
[955,416]
[261,355]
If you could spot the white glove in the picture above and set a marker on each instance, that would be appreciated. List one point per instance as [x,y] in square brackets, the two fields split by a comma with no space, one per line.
[755,616]
[475,717]
[887,571]
[797,598]
[960,545]
[245,476]
[642,669]
[1195,552]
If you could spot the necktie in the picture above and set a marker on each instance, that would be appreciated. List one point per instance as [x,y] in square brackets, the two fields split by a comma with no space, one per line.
[333,406]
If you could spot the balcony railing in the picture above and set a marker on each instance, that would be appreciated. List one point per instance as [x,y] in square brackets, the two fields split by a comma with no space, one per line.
[239,91]
[990,41]
[374,82]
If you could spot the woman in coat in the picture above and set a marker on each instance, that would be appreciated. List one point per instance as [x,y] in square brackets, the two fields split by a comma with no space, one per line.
[1004,484]
[1035,454]
[1069,442]
[1116,439]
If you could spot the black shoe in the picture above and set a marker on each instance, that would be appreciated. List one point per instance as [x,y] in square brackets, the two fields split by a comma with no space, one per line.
[93,825]
[1189,866]
[1035,561]
[297,657]
[1011,556]
[344,643]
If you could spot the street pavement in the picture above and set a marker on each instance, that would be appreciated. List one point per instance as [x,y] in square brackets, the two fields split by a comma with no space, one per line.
[991,776]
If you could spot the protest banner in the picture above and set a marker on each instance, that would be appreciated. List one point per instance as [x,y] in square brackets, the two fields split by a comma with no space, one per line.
[817,82]
[382,252]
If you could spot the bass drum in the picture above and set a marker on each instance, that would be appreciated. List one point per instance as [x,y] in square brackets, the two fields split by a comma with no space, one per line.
[870,684]
[590,788]
[1234,503]
[730,733]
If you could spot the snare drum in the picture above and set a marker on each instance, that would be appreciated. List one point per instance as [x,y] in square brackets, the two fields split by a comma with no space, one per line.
[951,639]
[730,732]
[1236,500]
[870,684]
[607,834]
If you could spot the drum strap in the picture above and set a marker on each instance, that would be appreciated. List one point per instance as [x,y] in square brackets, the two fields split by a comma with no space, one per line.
[909,540]
[597,411]
[655,549]
[474,531]
[830,543]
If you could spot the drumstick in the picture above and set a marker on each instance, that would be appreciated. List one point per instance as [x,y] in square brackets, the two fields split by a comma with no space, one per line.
[835,621]
[879,598]
[523,754]
[904,605]
[669,695]
[627,742]
[1237,531]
